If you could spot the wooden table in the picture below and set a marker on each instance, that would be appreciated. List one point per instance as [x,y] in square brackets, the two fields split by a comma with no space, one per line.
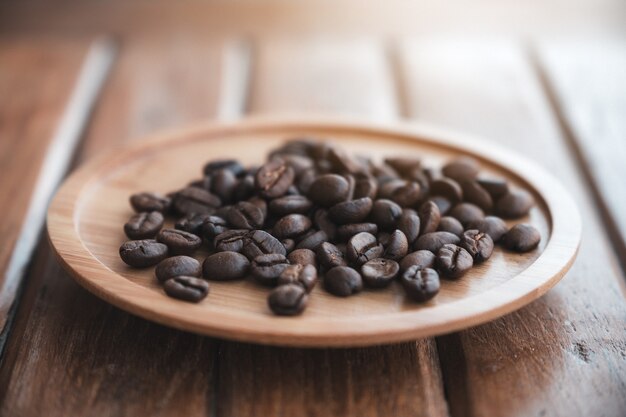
[65,352]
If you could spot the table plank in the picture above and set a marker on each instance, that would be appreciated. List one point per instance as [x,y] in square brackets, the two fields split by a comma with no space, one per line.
[104,361]
[588,86]
[563,354]
[400,380]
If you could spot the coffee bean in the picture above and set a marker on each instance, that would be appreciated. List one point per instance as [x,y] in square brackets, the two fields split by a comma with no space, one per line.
[420,284]
[515,204]
[274,178]
[494,186]
[383,238]
[451,225]
[267,268]
[343,281]
[291,204]
[179,242]
[193,223]
[305,180]
[224,266]
[195,200]
[430,216]
[443,203]
[223,183]
[365,187]
[448,188]
[492,225]
[299,163]
[404,165]
[213,226]
[142,253]
[353,211]
[346,231]
[302,257]
[397,247]
[244,188]
[260,203]
[245,215]
[409,224]
[186,288]
[231,165]
[407,194]
[467,213]
[312,241]
[475,194]
[176,266]
[342,162]
[303,275]
[434,241]
[149,202]
[259,242]
[323,222]
[291,226]
[144,225]
[478,244]
[328,190]
[288,244]
[521,238]
[461,169]
[362,247]
[287,300]
[453,261]
[330,256]
[421,258]
[385,213]
[379,272]
[231,240]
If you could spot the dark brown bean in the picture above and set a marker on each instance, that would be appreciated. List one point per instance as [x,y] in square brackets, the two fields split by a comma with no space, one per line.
[179,242]
[302,257]
[328,190]
[434,241]
[451,225]
[330,256]
[467,213]
[379,272]
[267,268]
[142,253]
[149,202]
[213,226]
[245,215]
[303,275]
[430,216]
[223,183]
[409,224]
[231,240]
[448,188]
[461,169]
[362,247]
[195,200]
[291,204]
[478,244]
[274,178]
[492,225]
[365,187]
[397,247]
[322,222]
[225,266]
[475,194]
[186,288]
[343,281]
[385,213]
[259,242]
[287,300]
[346,231]
[521,238]
[291,226]
[443,203]
[515,204]
[193,223]
[177,266]
[420,258]
[313,240]
[353,211]
[453,261]
[144,225]
[220,164]
[420,284]
[404,165]
[494,186]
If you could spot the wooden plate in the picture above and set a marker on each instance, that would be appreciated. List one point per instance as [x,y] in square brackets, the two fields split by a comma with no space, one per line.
[86,217]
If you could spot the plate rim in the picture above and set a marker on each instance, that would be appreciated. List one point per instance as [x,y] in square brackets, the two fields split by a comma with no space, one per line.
[530,284]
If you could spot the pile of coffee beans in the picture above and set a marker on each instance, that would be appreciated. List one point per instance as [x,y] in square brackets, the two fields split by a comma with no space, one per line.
[313,211]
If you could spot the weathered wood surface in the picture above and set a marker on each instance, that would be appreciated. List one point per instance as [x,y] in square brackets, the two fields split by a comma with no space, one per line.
[564,354]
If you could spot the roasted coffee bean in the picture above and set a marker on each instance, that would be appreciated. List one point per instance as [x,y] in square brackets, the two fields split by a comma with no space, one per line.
[343,281]
[453,261]
[149,202]
[245,215]
[467,213]
[420,258]
[409,224]
[274,178]
[448,188]
[461,169]
[323,222]
[287,300]
[302,257]
[342,162]
[515,204]
[353,211]
[346,231]
[451,225]
[231,240]
[397,247]
[259,242]
[244,188]
[404,166]
[213,226]
[430,216]
[195,200]
[363,247]
[383,238]
[179,242]
[365,187]
[443,203]
[192,223]
[328,190]
[223,183]
[434,241]
[405,193]
[289,244]
[521,238]
[260,203]
[492,225]
[303,275]
[177,266]
[224,266]
[142,253]
[186,288]
[379,272]
[420,284]
[267,268]
[475,194]
[313,240]
[291,204]
[144,225]
[299,163]
[478,244]
[330,255]
[494,186]
[291,226]
[385,213]
[231,165]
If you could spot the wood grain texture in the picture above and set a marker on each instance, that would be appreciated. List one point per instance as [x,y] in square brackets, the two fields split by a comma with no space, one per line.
[563,354]
[103,361]
[587,85]
[36,79]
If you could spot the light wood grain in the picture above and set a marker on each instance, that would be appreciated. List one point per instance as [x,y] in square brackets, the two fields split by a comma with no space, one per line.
[563,354]
[84,219]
